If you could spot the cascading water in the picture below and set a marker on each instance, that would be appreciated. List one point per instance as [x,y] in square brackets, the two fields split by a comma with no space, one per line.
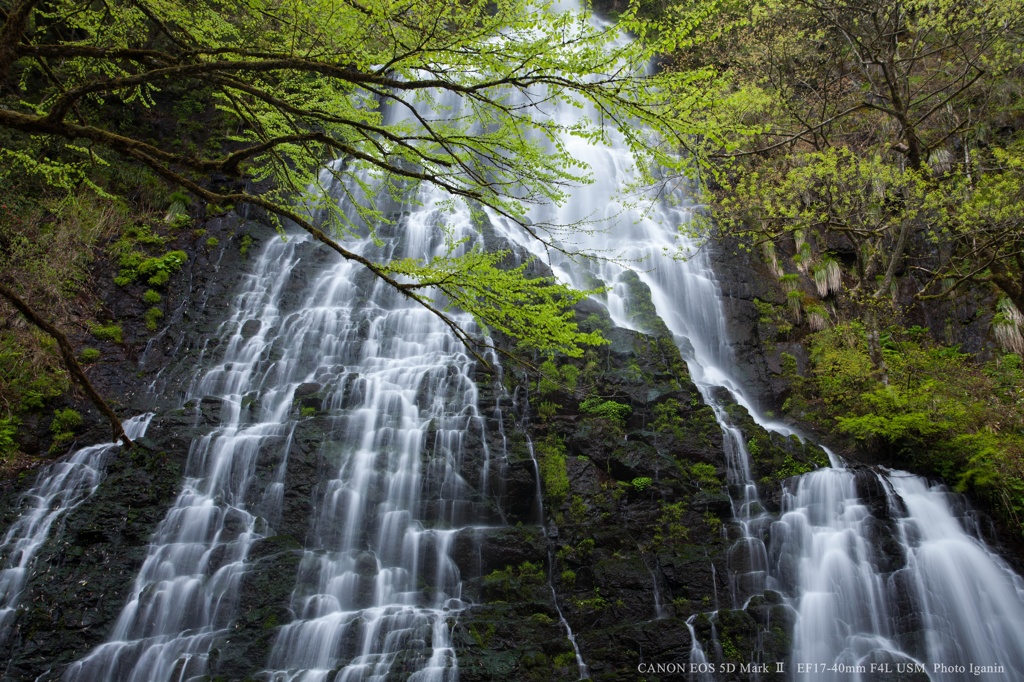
[819,554]
[971,603]
[377,584]
[964,606]
[58,489]
[377,587]
[183,598]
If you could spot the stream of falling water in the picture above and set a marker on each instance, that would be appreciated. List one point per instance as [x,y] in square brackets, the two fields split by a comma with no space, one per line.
[377,588]
[184,596]
[377,584]
[59,488]
[961,605]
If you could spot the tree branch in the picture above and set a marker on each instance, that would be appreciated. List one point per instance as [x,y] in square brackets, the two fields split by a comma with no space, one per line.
[11,34]
[67,352]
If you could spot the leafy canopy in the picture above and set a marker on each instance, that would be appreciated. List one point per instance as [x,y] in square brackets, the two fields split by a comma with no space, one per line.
[397,92]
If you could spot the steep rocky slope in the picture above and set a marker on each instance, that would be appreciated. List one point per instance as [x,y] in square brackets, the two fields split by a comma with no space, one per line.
[612,519]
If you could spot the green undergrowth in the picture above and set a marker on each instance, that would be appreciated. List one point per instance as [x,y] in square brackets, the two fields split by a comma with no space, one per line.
[31,375]
[50,242]
[63,427]
[514,584]
[610,410]
[933,408]
[554,475]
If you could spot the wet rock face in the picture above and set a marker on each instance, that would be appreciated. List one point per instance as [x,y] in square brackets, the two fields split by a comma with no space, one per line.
[632,544]
[632,469]
[634,541]
[744,279]
[83,574]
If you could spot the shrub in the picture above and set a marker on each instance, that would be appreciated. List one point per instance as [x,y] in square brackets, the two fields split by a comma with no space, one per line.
[67,420]
[566,659]
[156,269]
[515,583]
[63,427]
[31,372]
[570,375]
[547,409]
[936,410]
[89,355]
[641,483]
[577,510]
[160,269]
[610,410]
[670,529]
[553,473]
[8,429]
[704,474]
[152,318]
[109,332]
[547,383]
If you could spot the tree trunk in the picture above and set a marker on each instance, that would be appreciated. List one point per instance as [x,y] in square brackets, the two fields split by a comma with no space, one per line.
[1010,285]
[11,33]
[875,341]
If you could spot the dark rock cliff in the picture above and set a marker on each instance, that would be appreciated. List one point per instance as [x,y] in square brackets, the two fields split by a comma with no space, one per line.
[632,550]
[82,575]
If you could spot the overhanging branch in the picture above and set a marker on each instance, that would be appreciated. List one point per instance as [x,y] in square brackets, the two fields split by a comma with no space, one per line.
[67,353]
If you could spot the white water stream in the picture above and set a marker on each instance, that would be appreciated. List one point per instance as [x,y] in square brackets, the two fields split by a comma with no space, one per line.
[966,606]
[184,596]
[377,585]
[59,488]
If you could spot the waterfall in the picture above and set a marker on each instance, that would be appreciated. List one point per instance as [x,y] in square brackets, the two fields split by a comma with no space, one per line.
[183,597]
[962,605]
[971,603]
[317,342]
[393,392]
[819,554]
[59,488]
[943,603]
[377,584]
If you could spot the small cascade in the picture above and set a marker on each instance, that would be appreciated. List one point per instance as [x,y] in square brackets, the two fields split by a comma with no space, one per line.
[59,488]
[822,551]
[971,603]
[539,496]
[184,596]
[377,584]
[660,611]
[581,665]
[698,660]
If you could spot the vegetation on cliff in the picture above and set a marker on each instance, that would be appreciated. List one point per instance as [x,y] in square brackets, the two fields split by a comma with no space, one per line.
[884,190]
[941,411]
[296,86]
[118,104]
